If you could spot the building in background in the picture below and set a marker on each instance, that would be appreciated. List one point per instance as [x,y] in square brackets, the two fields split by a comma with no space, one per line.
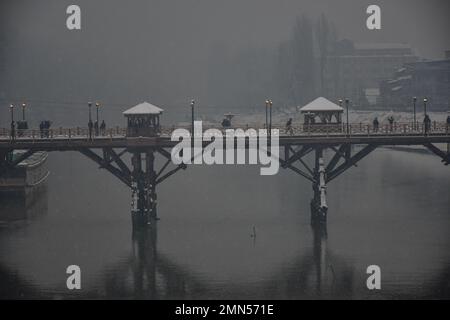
[430,79]
[355,70]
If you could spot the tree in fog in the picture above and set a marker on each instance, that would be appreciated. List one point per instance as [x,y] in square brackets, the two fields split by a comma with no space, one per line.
[303,61]
[323,43]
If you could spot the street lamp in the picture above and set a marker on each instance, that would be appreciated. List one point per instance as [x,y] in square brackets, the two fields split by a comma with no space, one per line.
[414,108]
[267,116]
[346,105]
[425,100]
[340,105]
[23,111]
[97,105]
[11,109]
[270,121]
[192,117]
[426,119]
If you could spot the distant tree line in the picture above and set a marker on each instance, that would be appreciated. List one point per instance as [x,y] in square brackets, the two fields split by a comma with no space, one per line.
[291,73]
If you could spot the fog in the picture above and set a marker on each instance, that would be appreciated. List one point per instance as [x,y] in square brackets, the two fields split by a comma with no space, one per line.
[219,52]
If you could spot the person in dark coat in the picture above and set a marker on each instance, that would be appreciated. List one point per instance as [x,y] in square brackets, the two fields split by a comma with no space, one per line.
[427,123]
[90,127]
[376,124]
[41,129]
[96,127]
[103,128]
[391,122]
[289,127]
[13,130]
[226,123]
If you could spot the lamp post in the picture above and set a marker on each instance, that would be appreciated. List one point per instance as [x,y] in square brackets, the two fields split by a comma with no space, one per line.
[11,109]
[425,100]
[414,110]
[348,126]
[90,106]
[267,116]
[97,105]
[23,111]
[426,121]
[192,117]
[340,105]
[270,118]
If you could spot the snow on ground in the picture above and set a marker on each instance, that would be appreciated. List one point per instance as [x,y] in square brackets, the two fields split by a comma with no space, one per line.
[355,116]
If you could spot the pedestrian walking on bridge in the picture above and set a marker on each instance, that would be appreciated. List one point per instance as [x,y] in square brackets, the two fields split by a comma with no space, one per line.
[103,128]
[289,127]
[13,130]
[90,127]
[427,123]
[376,124]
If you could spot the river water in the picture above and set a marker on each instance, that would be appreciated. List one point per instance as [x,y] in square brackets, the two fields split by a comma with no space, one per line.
[392,210]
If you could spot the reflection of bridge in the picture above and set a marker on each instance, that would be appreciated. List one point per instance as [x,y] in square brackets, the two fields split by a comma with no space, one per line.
[147,273]
[143,178]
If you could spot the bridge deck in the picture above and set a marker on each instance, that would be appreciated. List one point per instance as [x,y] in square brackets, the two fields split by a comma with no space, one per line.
[75,138]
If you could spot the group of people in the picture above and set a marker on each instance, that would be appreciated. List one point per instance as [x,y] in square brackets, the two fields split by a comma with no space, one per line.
[376,124]
[44,128]
[19,127]
[426,123]
[95,129]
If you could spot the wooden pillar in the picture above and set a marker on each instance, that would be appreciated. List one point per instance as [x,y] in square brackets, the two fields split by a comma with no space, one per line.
[151,184]
[319,207]
[139,210]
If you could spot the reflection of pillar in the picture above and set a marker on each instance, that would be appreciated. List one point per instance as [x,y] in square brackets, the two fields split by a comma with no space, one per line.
[144,262]
[319,206]
[320,256]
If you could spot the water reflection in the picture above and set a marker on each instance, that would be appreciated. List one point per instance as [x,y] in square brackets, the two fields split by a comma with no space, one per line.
[149,274]
[380,214]
[24,206]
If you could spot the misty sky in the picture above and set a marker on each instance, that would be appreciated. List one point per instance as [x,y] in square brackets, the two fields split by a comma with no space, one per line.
[159,49]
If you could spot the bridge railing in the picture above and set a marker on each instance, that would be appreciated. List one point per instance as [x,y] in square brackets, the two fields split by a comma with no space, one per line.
[353,129]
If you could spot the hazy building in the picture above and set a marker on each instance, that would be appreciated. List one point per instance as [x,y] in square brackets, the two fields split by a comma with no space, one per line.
[430,79]
[355,70]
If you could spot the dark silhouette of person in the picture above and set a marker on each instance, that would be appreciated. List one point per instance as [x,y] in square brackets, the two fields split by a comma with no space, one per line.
[90,126]
[96,127]
[289,126]
[376,124]
[391,122]
[448,123]
[47,128]
[427,123]
[41,129]
[103,128]
[13,130]
[226,123]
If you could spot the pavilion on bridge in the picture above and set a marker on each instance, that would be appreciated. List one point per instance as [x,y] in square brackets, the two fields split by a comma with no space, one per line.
[143,120]
[321,112]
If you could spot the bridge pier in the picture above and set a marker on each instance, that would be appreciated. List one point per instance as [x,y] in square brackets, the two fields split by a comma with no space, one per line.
[143,188]
[319,207]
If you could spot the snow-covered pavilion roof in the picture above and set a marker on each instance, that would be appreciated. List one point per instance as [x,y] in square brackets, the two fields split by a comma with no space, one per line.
[321,105]
[143,109]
